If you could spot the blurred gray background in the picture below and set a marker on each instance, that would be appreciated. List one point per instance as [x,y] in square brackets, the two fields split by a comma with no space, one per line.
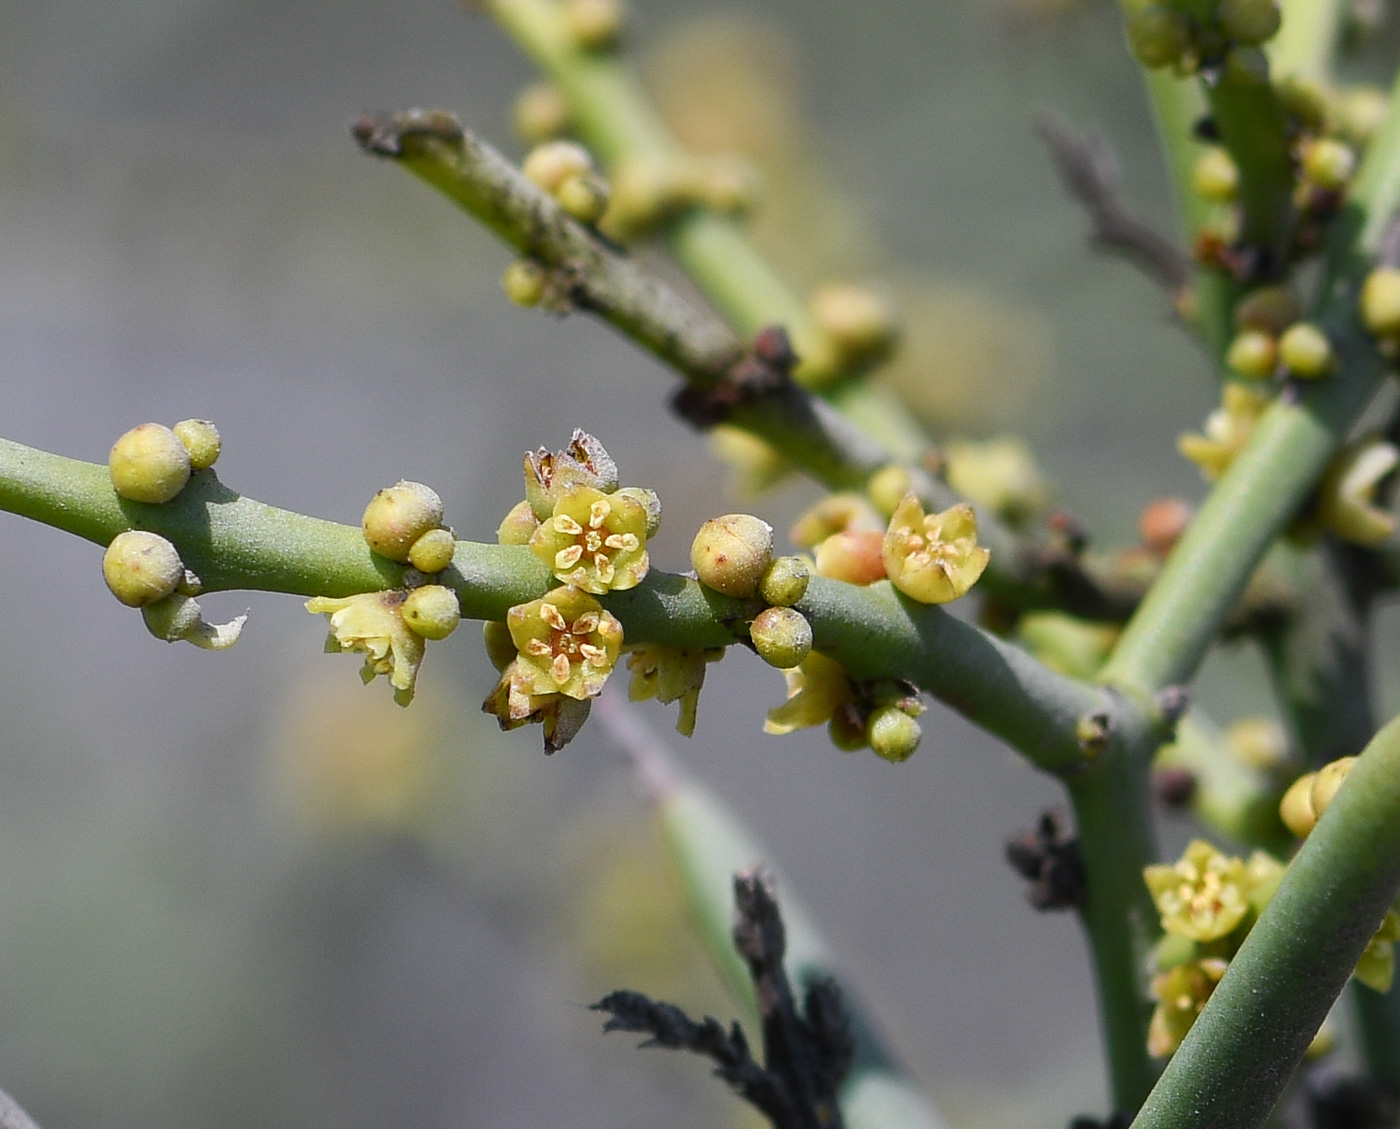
[240,889]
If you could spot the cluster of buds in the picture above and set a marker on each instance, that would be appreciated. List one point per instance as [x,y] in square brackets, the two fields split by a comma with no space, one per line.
[556,652]
[565,170]
[649,193]
[855,328]
[402,523]
[1273,342]
[1190,35]
[152,464]
[881,716]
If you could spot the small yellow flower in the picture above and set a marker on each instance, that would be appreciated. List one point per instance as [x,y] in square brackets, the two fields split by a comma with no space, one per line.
[933,558]
[594,541]
[1376,968]
[1347,497]
[1181,994]
[373,623]
[1204,895]
[568,645]
[669,674]
[816,690]
[1227,429]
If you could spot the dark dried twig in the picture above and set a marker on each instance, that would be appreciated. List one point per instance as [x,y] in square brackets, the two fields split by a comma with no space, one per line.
[1048,857]
[806,1052]
[1090,174]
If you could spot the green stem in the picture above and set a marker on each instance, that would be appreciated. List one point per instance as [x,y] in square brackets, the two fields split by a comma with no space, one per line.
[1306,43]
[1254,128]
[1254,1030]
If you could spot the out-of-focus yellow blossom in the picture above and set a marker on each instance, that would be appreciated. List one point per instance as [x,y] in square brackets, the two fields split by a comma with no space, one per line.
[669,674]
[997,473]
[1376,968]
[594,541]
[373,623]
[1181,994]
[568,644]
[1347,497]
[834,514]
[1226,430]
[816,690]
[1203,895]
[933,558]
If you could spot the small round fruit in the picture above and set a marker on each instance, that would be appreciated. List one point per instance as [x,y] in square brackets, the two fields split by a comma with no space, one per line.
[550,164]
[201,440]
[893,734]
[1380,301]
[731,553]
[1158,36]
[1305,351]
[1252,354]
[433,551]
[141,568]
[525,281]
[432,611]
[782,637]
[784,582]
[398,515]
[149,464]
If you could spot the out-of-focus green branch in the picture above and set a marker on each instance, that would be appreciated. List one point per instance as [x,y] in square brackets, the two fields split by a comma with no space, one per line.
[1237,1058]
[1306,43]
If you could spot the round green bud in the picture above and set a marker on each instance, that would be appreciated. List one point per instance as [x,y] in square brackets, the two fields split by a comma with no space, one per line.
[784,582]
[1249,21]
[1305,100]
[1252,354]
[201,439]
[1328,163]
[1158,36]
[1305,351]
[141,568]
[650,501]
[584,196]
[432,611]
[550,164]
[525,282]
[433,551]
[893,734]
[1361,112]
[887,487]
[149,464]
[540,113]
[518,526]
[1215,177]
[1380,301]
[397,516]
[856,556]
[500,646]
[594,25]
[1326,781]
[857,324]
[1270,309]
[782,637]
[731,553]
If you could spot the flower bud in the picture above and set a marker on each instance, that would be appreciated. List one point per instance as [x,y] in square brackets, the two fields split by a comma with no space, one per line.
[141,568]
[540,113]
[1328,163]
[1269,309]
[1161,524]
[594,25]
[525,282]
[1252,354]
[149,464]
[782,637]
[1158,36]
[1326,781]
[784,582]
[1295,809]
[500,645]
[433,551]
[856,323]
[887,487]
[178,618]
[518,526]
[397,516]
[1380,302]
[893,734]
[584,196]
[731,553]
[550,164]
[650,501]
[432,611]
[201,439]
[1215,177]
[1249,21]
[855,556]
[1305,351]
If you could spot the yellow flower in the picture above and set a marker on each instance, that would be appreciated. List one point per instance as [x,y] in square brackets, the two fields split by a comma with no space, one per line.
[568,645]
[933,558]
[1204,895]
[1181,994]
[593,540]
[1347,497]
[373,623]
[1376,968]
[816,690]
[1227,429]
[669,674]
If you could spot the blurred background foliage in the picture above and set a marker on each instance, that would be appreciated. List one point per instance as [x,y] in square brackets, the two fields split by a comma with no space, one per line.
[241,889]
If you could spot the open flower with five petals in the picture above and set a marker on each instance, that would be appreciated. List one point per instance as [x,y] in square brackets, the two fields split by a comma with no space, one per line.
[594,541]
[933,558]
[373,623]
[1203,895]
[568,644]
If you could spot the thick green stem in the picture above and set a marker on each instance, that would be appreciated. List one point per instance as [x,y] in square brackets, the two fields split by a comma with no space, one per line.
[1254,128]
[1236,1060]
